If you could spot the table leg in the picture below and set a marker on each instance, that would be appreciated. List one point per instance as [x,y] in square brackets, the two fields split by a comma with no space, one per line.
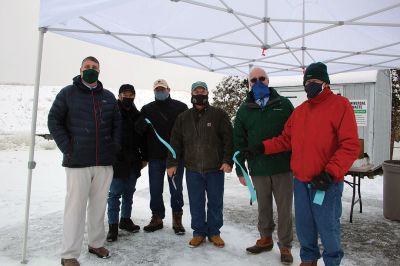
[359,193]
[353,198]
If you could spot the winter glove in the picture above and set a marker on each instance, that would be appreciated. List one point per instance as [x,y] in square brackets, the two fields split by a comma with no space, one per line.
[141,126]
[322,181]
[250,153]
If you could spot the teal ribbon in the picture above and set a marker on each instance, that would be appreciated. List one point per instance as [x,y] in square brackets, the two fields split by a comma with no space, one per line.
[319,196]
[166,144]
[253,196]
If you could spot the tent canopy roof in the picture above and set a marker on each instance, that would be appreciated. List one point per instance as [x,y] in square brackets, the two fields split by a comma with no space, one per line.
[229,36]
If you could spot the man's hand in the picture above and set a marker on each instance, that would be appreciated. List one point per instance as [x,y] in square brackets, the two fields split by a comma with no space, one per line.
[242,180]
[251,152]
[226,168]
[322,181]
[144,164]
[171,171]
[141,126]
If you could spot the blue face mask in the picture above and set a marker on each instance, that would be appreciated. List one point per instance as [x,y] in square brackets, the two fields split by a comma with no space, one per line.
[260,90]
[161,95]
[313,89]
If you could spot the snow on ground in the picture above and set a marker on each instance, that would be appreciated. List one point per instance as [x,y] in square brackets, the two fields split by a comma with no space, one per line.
[369,240]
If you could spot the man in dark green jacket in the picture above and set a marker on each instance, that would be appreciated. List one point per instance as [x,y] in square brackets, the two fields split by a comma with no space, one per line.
[262,116]
[202,137]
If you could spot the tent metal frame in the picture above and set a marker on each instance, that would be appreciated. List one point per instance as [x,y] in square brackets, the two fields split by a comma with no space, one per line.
[262,41]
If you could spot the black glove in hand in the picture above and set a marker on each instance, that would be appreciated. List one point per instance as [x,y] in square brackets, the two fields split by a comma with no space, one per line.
[322,181]
[250,152]
[141,126]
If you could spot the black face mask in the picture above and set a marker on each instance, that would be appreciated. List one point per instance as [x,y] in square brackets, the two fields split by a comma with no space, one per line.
[127,102]
[313,89]
[200,99]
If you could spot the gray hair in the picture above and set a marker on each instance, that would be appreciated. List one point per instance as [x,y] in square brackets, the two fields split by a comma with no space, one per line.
[259,68]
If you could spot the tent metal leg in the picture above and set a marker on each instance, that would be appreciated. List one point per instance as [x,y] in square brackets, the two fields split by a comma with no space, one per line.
[31,162]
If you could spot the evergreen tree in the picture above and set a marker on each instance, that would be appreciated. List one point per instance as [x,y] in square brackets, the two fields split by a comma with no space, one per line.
[230,94]
[395,136]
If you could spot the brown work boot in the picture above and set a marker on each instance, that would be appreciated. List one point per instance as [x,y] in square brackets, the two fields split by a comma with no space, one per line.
[262,244]
[128,225]
[155,224]
[177,223]
[286,256]
[196,241]
[217,241]
[70,262]
[100,252]
[314,263]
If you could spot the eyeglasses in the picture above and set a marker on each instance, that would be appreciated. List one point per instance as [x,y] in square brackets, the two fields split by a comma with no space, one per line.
[253,80]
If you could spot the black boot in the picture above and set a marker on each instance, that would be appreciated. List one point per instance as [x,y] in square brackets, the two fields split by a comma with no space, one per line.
[112,232]
[177,223]
[128,225]
[155,224]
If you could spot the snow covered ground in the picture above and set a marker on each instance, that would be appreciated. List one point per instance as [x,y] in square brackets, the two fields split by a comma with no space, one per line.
[369,240]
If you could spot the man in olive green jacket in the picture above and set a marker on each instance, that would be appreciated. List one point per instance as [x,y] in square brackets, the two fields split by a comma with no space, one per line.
[202,137]
[260,117]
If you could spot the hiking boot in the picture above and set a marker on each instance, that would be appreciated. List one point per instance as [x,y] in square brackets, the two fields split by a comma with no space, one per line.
[314,263]
[100,252]
[286,256]
[196,241]
[128,225]
[70,262]
[217,241]
[262,244]
[112,232]
[177,223]
[155,224]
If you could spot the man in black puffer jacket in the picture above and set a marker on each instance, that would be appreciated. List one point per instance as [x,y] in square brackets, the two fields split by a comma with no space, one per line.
[85,123]
[130,160]
[162,114]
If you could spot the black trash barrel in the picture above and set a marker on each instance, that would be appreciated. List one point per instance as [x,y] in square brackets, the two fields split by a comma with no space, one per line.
[391,189]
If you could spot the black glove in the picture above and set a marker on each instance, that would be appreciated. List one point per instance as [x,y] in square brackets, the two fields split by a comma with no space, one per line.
[141,126]
[250,152]
[322,181]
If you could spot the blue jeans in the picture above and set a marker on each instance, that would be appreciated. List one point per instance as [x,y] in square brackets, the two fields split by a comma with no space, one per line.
[313,219]
[156,182]
[198,184]
[124,187]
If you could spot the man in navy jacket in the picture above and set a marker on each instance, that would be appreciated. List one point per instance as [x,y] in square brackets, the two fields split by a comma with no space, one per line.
[85,123]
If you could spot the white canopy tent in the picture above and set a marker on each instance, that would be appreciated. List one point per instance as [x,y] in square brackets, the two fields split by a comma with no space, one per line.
[229,36]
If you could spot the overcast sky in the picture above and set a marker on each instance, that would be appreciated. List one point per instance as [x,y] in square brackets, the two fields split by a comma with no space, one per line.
[62,56]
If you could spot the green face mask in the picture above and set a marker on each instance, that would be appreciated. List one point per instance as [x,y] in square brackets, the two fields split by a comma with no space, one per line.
[90,75]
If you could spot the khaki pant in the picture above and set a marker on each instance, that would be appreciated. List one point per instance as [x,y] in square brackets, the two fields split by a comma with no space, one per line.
[87,188]
[281,187]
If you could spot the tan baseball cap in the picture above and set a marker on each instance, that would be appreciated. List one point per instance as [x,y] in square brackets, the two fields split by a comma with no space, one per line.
[160,83]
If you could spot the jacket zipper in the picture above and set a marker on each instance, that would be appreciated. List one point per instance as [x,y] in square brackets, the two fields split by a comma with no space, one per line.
[97,129]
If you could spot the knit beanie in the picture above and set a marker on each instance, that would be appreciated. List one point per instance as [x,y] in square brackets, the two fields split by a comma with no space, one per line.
[316,71]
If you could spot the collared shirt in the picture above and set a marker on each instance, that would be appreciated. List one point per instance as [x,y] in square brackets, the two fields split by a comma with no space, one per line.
[262,102]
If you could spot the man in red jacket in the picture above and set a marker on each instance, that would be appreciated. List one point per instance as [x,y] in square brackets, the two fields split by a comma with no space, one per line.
[322,135]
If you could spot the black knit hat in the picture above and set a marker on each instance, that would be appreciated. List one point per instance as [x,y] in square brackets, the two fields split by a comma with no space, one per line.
[316,71]
[126,87]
